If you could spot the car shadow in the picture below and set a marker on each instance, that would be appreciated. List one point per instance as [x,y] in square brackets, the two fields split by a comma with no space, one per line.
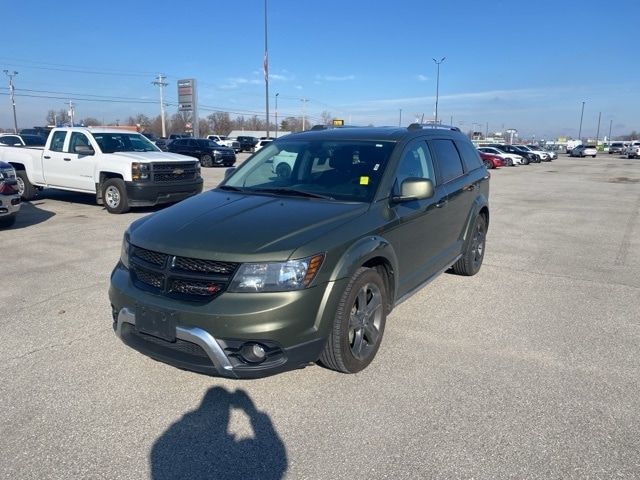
[199,445]
[30,214]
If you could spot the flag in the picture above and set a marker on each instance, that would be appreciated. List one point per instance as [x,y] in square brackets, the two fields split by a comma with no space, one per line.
[265,66]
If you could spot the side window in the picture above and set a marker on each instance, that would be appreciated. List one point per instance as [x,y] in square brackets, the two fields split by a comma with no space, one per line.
[470,156]
[77,139]
[10,140]
[57,141]
[448,159]
[415,162]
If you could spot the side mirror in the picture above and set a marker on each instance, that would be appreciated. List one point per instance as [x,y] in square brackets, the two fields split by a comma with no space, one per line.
[228,172]
[84,150]
[414,188]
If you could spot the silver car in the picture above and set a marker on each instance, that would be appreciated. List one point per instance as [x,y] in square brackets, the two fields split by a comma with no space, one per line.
[584,151]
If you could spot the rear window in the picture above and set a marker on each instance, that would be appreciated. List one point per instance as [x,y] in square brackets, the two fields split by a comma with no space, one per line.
[469,154]
[447,158]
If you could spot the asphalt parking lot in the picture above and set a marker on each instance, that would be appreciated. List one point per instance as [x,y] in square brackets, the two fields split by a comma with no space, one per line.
[530,369]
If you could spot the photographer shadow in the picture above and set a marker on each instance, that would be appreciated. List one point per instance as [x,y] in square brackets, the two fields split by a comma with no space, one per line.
[199,445]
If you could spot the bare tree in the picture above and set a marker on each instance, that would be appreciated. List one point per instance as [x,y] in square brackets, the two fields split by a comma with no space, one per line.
[326,117]
[57,118]
[220,123]
[178,122]
[203,127]
[90,122]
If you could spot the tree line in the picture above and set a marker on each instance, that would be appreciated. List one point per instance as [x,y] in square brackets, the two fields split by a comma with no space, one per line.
[219,123]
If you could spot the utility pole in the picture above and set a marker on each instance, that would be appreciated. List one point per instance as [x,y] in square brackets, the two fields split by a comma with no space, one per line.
[304,103]
[72,111]
[400,119]
[580,129]
[13,97]
[266,66]
[438,85]
[598,131]
[159,82]
[610,125]
[277,114]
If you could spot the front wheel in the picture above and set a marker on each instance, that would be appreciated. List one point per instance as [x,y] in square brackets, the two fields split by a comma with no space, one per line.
[471,261]
[206,161]
[26,190]
[358,325]
[114,196]
[488,165]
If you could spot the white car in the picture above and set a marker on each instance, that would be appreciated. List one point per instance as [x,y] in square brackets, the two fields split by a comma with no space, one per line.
[632,150]
[515,159]
[584,151]
[544,156]
[552,155]
[262,143]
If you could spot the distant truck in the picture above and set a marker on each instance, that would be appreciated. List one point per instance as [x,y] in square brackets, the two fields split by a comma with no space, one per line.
[121,168]
[225,142]
[571,144]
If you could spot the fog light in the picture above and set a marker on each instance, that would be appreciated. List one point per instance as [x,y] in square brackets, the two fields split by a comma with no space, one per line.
[253,353]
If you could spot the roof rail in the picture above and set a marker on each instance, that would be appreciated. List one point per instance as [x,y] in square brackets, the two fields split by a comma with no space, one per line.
[420,126]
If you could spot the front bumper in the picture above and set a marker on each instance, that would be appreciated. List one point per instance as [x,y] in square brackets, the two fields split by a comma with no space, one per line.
[9,205]
[292,326]
[146,194]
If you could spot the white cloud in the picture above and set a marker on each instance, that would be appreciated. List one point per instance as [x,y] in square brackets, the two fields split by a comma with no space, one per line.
[335,78]
[422,78]
[298,87]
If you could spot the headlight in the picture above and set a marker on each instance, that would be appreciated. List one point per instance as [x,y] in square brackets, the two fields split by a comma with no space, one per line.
[139,171]
[198,169]
[276,277]
[124,251]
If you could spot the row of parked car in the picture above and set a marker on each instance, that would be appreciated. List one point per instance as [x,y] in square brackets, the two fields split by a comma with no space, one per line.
[497,155]
[628,149]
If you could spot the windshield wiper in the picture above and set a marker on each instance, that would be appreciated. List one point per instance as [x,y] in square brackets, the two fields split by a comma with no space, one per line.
[291,191]
[229,187]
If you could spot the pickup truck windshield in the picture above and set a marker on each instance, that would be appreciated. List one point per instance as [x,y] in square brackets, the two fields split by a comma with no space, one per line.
[123,142]
[347,170]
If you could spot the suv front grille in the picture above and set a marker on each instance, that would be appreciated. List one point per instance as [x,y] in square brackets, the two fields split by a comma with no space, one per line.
[179,277]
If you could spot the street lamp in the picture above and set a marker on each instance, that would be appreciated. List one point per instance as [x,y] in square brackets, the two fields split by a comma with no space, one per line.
[580,129]
[438,85]
[277,114]
[13,98]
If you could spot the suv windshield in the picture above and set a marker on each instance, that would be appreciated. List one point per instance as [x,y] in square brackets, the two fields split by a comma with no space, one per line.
[123,142]
[342,170]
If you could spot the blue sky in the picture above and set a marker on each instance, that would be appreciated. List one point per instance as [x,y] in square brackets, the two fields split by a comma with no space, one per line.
[513,64]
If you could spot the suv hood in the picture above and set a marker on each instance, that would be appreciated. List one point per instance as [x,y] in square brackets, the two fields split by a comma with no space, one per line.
[152,157]
[240,227]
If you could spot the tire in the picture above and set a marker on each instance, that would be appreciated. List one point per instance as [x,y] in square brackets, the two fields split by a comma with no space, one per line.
[525,161]
[473,254]
[283,170]
[7,221]
[488,164]
[357,329]
[206,161]
[114,196]
[593,156]
[26,190]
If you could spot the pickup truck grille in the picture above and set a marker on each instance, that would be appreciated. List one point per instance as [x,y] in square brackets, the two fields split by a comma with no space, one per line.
[173,172]
[184,278]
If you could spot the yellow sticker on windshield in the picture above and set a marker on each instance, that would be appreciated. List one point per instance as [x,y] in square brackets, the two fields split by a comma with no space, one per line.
[364,180]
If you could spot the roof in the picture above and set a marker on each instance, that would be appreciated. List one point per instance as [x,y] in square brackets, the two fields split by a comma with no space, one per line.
[94,130]
[256,133]
[393,134]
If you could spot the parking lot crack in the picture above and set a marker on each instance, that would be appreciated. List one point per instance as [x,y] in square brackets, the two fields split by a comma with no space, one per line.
[58,294]
[50,347]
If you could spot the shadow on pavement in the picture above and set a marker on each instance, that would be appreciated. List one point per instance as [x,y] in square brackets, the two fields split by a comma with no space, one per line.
[30,214]
[199,445]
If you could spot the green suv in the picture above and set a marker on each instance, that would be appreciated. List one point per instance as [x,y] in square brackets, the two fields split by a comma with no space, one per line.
[278,268]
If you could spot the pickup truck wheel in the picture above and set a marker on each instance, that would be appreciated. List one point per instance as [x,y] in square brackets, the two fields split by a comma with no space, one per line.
[358,324]
[25,189]
[206,161]
[283,170]
[114,196]
[471,261]
[8,220]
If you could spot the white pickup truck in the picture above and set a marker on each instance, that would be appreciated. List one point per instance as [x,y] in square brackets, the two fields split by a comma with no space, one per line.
[122,169]
[225,142]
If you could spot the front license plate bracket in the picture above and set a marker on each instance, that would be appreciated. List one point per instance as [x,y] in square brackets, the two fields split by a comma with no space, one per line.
[161,324]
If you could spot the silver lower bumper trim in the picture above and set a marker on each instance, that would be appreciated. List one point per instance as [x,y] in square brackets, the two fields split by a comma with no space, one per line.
[189,334]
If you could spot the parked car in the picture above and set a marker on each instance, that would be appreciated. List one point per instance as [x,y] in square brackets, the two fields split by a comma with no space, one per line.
[268,274]
[121,169]
[584,151]
[633,150]
[616,147]
[552,155]
[571,144]
[262,143]
[247,144]
[22,140]
[513,158]
[542,155]
[225,142]
[491,161]
[532,157]
[209,152]
[9,195]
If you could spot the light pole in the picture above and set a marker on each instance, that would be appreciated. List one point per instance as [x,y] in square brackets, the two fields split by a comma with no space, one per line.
[438,85]
[266,66]
[13,98]
[277,114]
[598,131]
[580,129]
[304,104]
[610,125]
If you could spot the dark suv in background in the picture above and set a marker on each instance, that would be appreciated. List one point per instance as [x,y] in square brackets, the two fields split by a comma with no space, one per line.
[209,152]
[269,272]
[247,144]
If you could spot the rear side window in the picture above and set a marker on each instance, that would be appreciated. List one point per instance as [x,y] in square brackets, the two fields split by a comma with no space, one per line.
[57,141]
[470,156]
[447,158]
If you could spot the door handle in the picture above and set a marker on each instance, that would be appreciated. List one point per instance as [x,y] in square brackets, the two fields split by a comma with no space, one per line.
[66,159]
[47,157]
